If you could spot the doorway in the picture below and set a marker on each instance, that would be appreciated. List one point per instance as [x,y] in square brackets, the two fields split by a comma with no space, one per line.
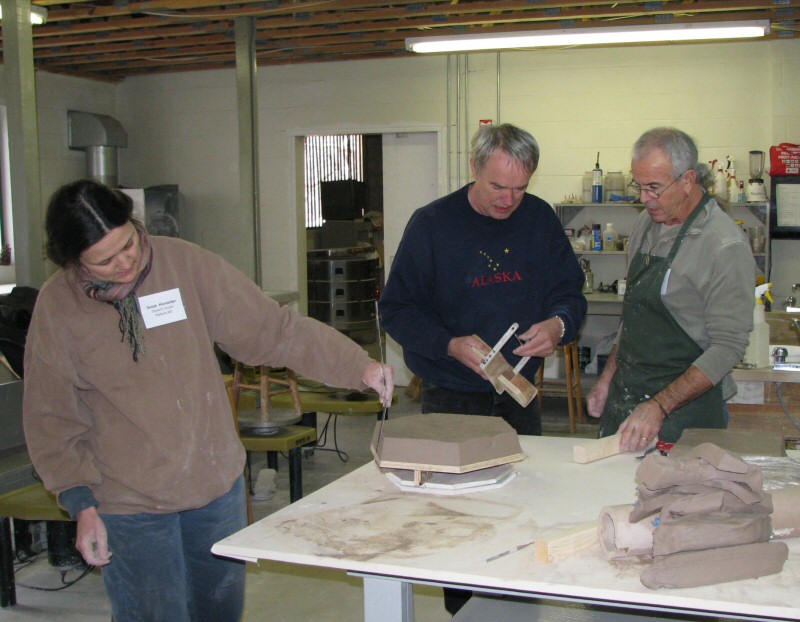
[410,175]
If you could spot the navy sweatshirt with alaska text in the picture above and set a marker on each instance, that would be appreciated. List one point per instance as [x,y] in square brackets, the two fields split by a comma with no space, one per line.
[457,273]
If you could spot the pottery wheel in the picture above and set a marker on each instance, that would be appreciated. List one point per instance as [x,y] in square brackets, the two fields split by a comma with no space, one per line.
[250,421]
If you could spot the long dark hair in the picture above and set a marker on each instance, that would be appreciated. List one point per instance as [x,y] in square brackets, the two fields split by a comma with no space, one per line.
[79,215]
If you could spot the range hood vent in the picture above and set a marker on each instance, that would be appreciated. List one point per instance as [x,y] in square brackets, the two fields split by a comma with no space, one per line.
[99,136]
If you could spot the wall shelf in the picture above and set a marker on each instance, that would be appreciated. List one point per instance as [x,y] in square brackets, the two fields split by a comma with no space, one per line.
[746,211]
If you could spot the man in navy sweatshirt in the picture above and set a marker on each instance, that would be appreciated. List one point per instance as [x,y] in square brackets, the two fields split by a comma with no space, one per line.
[473,263]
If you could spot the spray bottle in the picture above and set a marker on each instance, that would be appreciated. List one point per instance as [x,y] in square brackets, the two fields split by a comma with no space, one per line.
[757,352]
[721,184]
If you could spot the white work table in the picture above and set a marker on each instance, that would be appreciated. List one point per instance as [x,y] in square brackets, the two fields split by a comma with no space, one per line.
[365,525]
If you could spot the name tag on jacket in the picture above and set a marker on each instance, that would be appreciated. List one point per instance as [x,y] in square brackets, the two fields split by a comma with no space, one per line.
[162,308]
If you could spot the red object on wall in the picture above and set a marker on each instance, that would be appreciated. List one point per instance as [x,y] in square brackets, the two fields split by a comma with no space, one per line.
[784,159]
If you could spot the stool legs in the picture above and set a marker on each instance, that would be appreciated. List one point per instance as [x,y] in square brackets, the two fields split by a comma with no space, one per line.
[576,377]
[571,385]
[266,391]
[570,394]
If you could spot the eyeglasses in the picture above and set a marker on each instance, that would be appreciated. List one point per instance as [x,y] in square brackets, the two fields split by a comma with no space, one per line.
[653,191]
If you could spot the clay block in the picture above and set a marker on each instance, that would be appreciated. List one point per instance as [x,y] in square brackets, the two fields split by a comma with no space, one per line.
[657,471]
[649,505]
[786,516]
[697,533]
[696,568]
[445,443]
[719,458]
[739,490]
[720,502]
[674,505]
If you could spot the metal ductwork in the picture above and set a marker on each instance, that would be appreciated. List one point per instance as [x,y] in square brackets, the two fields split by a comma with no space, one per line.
[99,136]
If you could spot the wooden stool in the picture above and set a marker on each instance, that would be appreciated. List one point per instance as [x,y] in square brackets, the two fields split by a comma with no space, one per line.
[32,503]
[571,385]
[289,440]
[265,387]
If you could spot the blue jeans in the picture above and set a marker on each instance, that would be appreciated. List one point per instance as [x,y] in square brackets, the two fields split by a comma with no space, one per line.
[162,568]
[525,420]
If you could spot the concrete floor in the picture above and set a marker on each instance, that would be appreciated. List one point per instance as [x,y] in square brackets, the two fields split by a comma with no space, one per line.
[277,592]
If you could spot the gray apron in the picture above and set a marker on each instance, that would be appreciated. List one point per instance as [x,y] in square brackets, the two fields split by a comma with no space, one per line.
[654,350]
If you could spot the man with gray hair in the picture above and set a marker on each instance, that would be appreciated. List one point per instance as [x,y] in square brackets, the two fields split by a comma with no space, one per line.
[688,307]
[471,264]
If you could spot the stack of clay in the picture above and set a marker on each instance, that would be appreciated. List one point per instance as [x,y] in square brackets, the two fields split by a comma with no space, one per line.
[710,518]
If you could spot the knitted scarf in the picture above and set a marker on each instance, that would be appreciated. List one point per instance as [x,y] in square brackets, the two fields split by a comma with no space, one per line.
[122,296]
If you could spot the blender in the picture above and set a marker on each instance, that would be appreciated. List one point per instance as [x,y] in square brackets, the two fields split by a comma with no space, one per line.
[756,190]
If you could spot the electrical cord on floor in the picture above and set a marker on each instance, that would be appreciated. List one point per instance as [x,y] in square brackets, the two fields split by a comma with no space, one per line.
[783,405]
[323,439]
[20,565]
[65,584]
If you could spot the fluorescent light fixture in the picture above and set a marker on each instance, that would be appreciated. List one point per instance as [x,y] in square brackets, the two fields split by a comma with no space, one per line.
[589,36]
[38,14]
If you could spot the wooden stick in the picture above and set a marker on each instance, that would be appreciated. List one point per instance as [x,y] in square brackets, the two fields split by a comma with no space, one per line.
[597,449]
[558,545]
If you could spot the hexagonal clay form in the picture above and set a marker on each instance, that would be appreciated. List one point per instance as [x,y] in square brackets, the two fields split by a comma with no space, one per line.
[445,442]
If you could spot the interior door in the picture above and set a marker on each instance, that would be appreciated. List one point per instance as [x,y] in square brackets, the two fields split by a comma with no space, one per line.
[410,180]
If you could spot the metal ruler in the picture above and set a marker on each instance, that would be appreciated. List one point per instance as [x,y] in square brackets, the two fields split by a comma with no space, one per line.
[499,346]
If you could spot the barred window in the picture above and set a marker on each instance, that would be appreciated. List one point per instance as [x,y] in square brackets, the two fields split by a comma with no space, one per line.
[329,158]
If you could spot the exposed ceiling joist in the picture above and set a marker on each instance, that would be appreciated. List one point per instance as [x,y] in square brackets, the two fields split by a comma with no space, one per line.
[113,39]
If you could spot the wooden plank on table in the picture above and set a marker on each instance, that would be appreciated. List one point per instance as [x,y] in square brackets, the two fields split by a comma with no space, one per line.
[563,543]
[597,449]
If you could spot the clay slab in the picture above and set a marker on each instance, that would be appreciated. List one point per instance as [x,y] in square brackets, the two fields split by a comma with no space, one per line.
[446,443]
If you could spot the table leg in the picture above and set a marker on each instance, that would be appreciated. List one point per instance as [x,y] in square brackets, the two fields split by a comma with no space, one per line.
[388,600]
[295,475]
[8,592]
[248,470]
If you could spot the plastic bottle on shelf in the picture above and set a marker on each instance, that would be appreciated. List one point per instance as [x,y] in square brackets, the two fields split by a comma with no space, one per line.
[586,187]
[609,237]
[597,182]
[586,235]
[588,277]
[597,238]
[757,351]
[733,186]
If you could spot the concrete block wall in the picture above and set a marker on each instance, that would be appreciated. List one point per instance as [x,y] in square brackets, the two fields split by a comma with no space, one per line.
[183,128]
[731,97]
